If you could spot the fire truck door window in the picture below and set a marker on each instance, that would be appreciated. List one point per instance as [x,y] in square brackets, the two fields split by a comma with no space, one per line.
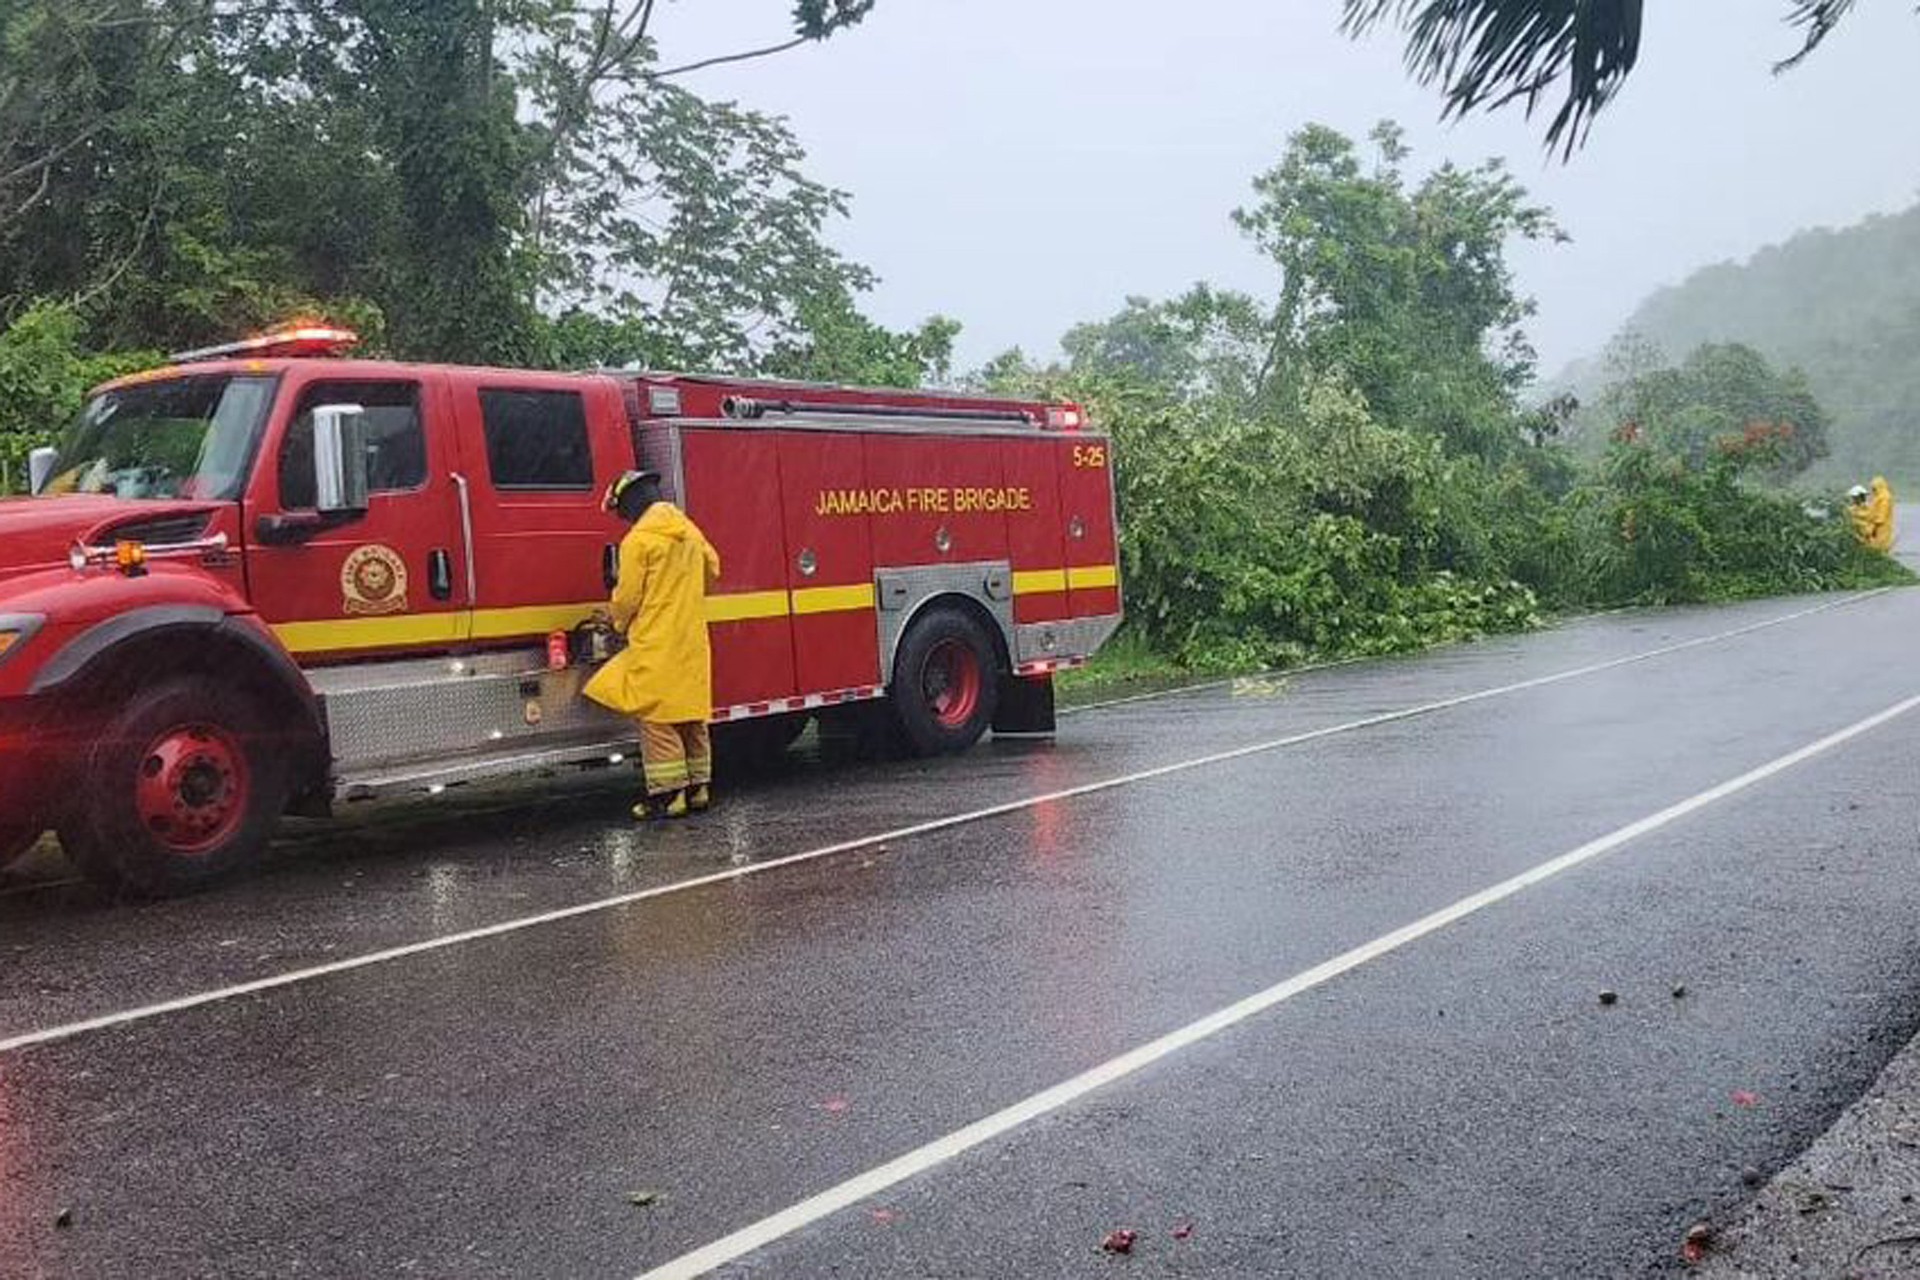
[536,439]
[396,444]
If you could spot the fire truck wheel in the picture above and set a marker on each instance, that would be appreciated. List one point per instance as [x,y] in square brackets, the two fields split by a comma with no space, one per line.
[945,683]
[182,788]
[15,841]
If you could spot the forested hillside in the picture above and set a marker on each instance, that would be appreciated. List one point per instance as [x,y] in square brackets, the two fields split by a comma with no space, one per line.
[1842,305]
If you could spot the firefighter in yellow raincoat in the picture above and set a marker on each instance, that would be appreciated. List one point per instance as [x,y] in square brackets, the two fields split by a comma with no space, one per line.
[663,678]
[1872,514]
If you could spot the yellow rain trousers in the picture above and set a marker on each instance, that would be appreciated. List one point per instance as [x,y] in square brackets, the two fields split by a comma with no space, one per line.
[674,757]
[1873,519]
[664,675]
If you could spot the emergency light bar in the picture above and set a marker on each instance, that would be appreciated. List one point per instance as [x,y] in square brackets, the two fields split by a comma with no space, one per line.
[306,340]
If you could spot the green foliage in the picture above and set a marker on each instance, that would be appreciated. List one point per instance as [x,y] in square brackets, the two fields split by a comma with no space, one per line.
[1205,342]
[1348,472]
[494,180]
[45,373]
[1128,661]
[1403,287]
[1725,399]
[689,225]
[1400,286]
[1648,527]
[838,344]
[1254,539]
[1843,306]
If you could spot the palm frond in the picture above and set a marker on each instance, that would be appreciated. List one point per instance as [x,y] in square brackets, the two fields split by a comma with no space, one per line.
[1819,17]
[1487,53]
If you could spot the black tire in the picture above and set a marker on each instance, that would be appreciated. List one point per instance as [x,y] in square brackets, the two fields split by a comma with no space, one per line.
[182,787]
[15,841]
[946,682]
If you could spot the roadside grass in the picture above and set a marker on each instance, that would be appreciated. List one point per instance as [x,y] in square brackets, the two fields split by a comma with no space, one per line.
[1129,665]
[1126,666]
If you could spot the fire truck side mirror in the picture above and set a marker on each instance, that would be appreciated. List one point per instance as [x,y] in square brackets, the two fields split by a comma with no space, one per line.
[339,459]
[40,468]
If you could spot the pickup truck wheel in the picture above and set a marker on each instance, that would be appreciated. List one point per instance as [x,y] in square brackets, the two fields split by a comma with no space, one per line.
[945,686]
[182,787]
[15,841]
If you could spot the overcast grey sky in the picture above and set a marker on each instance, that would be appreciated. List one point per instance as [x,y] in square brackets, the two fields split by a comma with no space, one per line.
[1025,164]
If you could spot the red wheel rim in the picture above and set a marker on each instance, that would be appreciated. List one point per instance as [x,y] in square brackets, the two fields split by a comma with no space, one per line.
[950,682]
[190,788]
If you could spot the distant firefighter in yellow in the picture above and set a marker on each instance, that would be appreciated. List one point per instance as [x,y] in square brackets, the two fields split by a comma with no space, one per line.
[1872,513]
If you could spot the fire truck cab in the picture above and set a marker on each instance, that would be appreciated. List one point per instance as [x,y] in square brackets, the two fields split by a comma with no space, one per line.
[266,578]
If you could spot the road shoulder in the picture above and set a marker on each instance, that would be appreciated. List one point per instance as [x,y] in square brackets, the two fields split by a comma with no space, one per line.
[1849,1206]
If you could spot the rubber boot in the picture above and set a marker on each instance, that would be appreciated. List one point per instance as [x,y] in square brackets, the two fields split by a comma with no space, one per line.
[652,808]
[700,798]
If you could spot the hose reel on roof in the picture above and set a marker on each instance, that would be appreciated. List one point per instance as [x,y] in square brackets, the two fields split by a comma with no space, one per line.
[749,408]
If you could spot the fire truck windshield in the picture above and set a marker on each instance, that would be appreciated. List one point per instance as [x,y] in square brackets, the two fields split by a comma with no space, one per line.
[191,436]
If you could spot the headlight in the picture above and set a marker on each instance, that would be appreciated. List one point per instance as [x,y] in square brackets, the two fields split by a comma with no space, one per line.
[15,630]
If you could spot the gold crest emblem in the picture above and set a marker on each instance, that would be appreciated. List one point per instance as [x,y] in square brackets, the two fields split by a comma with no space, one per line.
[374,580]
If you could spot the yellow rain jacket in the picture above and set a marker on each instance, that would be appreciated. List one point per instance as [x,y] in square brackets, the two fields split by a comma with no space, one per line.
[1873,519]
[665,672]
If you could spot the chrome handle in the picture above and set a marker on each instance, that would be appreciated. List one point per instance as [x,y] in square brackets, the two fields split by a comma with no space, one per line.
[466,539]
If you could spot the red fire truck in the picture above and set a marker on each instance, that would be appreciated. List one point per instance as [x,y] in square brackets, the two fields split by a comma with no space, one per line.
[268,578]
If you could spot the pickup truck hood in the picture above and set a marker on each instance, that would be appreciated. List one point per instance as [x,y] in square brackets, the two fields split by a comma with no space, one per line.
[37,533]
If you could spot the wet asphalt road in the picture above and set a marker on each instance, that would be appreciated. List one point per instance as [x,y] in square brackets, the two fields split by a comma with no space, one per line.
[1461,1105]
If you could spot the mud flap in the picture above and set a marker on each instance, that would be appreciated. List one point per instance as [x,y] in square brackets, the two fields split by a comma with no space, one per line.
[1026,706]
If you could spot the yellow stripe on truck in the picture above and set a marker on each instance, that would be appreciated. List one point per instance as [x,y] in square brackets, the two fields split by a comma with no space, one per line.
[743,606]
[498,624]
[808,600]
[341,635]
[345,635]
[1088,577]
[1034,582]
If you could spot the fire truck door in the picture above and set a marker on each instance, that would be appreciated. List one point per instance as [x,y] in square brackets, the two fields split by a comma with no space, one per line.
[1086,506]
[732,481]
[824,501]
[385,580]
[538,451]
[1036,532]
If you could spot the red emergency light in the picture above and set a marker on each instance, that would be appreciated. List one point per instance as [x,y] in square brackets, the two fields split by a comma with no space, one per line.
[1065,417]
[300,340]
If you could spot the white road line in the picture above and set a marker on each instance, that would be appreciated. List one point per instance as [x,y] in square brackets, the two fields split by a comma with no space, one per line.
[770,1229]
[65,1031]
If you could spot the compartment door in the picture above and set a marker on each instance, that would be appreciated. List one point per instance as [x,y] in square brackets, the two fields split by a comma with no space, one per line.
[1086,509]
[825,509]
[937,499]
[1036,532]
[732,489]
